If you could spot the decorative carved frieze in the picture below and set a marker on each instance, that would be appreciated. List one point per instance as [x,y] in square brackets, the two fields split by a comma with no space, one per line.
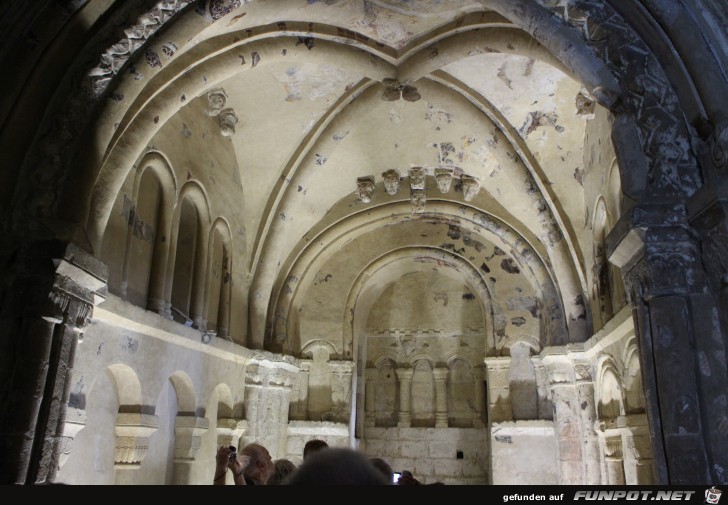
[135,36]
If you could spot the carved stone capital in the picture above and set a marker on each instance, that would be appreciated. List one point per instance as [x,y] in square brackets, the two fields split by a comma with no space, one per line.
[440,374]
[132,437]
[404,374]
[613,447]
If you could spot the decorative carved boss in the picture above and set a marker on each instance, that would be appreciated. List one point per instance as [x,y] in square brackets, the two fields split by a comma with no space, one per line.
[227,118]
[418,191]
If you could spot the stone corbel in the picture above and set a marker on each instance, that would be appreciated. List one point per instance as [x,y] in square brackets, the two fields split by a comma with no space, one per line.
[365,189]
[391,182]
[132,438]
[230,430]
[227,119]
[470,187]
[417,178]
[188,431]
[75,422]
[585,104]
[216,99]
[443,178]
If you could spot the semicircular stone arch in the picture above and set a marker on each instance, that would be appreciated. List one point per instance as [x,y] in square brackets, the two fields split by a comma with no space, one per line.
[513,256]
[382,274]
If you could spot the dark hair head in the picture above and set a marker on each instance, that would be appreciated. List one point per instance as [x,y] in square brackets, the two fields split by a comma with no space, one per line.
[313,446]
[336,466]
[383,467]
[281,469]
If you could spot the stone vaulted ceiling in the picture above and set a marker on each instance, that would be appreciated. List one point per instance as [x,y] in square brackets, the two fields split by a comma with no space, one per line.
[321,102]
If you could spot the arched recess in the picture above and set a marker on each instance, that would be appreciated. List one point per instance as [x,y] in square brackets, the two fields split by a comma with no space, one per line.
[610,391]
[422,392]
[601,268]
[128,388]
[615,207]
[461,391]
[634,396]
[184,388]
[385,270]
[386,392]
[148,218]
[218,280]
[184,289]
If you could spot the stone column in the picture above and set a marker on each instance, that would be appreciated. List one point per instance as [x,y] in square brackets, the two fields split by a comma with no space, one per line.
[588,415]
[499,397]
[370,375]
[676,315]
[155,299]
[479,397]
[48,304]
[567,418]
[223,323]
[197,298]
[188,431]
[613,459]
[405,390]
[299,404]
[441,414]
[132,442]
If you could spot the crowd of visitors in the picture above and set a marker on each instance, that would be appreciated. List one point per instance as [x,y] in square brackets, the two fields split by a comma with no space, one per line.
[321,465]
